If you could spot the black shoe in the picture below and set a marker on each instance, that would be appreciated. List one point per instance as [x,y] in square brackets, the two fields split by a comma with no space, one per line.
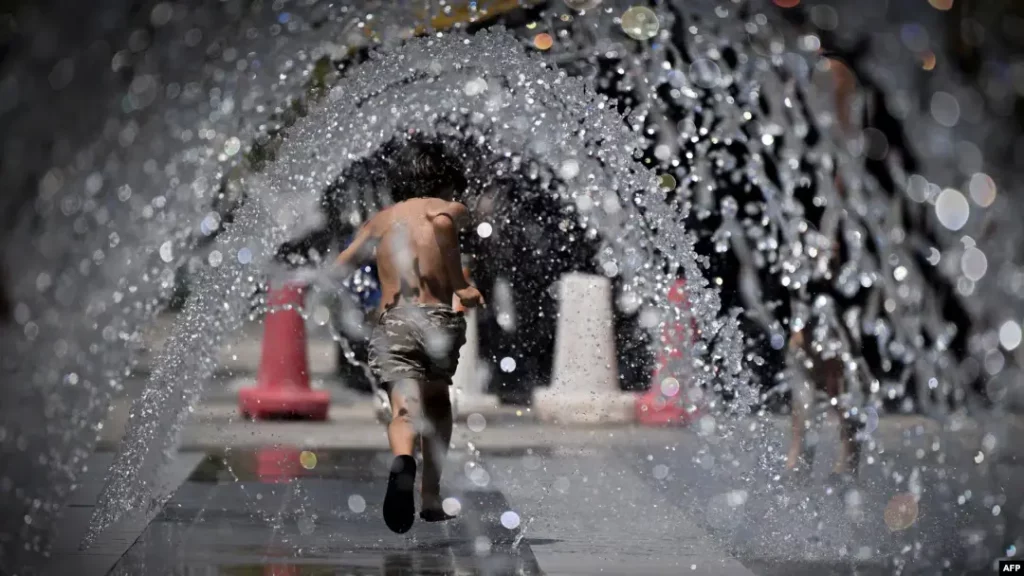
[399,505]
[435,515]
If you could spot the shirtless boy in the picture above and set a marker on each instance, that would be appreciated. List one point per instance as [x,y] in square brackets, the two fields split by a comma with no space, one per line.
[414,348]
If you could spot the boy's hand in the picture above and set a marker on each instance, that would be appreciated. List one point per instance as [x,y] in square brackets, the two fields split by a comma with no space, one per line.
[470,297]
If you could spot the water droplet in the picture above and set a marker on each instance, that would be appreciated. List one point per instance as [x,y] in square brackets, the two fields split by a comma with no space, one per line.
[484,230]
[167,252]
[974,264]
[952,209]
[543,41]
[901,512]
[945,109]
[640,23]
[356,503]
[706,74]
[510,520]
[660,471]
[508,364]
[983,189]
[476,422]
[232,146]
[475,87]
[1010,335]
[736,498]
[706,425]
[307,459]
[570,169]
[451,506]
[161,14]
[479,477]
[482,545]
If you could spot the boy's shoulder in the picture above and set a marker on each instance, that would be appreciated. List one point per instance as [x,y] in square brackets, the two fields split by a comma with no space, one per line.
[455,212]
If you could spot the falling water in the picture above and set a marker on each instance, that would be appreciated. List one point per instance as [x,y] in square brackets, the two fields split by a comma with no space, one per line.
[725,134]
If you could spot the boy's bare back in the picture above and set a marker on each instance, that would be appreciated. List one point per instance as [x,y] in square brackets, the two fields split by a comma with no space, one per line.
[418,258]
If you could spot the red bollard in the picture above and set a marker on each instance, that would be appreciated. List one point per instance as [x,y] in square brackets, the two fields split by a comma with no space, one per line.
[668,402]
[282,386]
[278,465]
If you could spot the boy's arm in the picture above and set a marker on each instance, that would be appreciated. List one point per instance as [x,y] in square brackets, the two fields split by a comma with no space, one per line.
[447,221]
[446,232]
[360,249]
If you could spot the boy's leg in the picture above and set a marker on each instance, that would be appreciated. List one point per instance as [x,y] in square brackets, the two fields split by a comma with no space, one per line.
[407,413]
[406,407]
[437,436]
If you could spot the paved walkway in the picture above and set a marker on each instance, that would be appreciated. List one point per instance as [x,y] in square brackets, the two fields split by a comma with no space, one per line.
[279,511]
[613,500]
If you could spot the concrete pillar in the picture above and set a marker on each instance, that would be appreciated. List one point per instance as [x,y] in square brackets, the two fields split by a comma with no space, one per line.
[468,394]
[584,387]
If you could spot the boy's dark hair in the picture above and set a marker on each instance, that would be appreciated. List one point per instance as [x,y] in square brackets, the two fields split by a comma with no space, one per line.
[425,169]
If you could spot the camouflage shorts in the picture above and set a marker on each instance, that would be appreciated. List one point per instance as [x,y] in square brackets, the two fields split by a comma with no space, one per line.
[417,342]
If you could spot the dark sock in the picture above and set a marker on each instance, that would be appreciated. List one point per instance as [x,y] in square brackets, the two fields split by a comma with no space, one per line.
[399,506]
[435,515]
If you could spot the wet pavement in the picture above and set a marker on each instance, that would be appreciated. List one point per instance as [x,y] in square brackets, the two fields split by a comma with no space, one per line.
[286,512]
[649,502]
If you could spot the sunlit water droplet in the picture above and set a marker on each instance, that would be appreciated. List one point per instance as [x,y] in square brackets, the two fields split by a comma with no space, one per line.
[510,520]
[356,503]
[476,422]
[640,23]
[901,512]
[479,476]
[232,146]
[983,190]
[167,252]
[508,364]
[952,209]
[570,169]
[482,545]
[307,459]
[706,74]
[451,506]
[945,109]
[1010,335]
[974,264]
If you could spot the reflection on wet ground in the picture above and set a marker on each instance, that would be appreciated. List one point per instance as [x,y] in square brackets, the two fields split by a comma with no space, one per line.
[283,511]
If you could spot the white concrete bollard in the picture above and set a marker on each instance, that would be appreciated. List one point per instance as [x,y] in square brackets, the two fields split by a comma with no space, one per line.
[469,393]
[585,387]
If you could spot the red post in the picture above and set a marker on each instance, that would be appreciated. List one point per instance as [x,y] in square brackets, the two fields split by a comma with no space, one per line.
[275,465]
[282,385]
[669,402]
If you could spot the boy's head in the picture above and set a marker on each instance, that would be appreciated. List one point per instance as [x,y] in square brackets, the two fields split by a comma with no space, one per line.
[424,169]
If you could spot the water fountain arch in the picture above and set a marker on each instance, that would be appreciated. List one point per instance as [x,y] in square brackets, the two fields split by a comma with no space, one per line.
[484,90]
[276,217]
